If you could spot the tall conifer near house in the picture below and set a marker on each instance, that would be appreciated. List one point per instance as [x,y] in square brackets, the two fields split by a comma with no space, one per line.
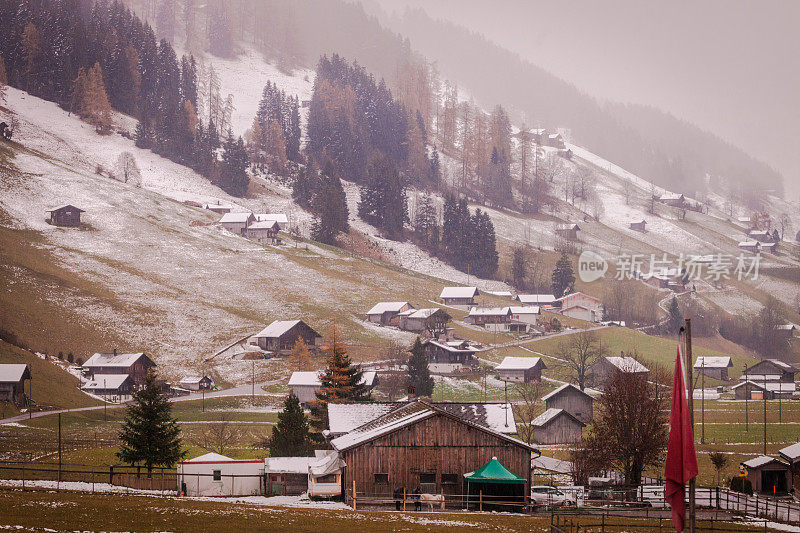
[340,382]
[419,374]
[150,435]
[563,277]
[291,436]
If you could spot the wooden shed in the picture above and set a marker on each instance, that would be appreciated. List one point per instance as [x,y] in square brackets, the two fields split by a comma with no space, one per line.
[768,475]
[572,400]
[771,370]
[521,369]
[638,225]
[713,367]
[556,426]
[386,313]
[12,383]
[568,231]
[280,336]
[287,476]
[431,320]
[459,295]
[112,387]
[66,216]
[421,445]
[600,372]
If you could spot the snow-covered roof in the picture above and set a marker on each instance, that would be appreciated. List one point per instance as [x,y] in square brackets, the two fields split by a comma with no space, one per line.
[567,227]
[671,196]
[777,362]
[123,360]
[345,417]
[713,362]
[288,465]
[576,294]
[106,381]
[563,388]
[67,206]
[387,307]
[489,311]
[420,313]
[759,232]
[235,218]
[550,415]
[745,220]
[627,364]
[638,221]
[194,379]
[459,292]
[13,372]
[454,346]
[408,414]
[771,386]
[760,461]
[551,464]
[749,244]
[525,310]
[280,218]
[208,457]
[312,378]
[791,453]
[528,299]
[276,329]
[519,363]
[264,224]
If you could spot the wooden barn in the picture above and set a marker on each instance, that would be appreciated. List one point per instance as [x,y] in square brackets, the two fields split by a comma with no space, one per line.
[491,318]
[638,225]
[237,223]
[791,454]
[568,231]
[713,367]
[771,370]
[263,232]
[456,352]
[572,400]
[280,336]
[422,445]
[67,216]
[196,383]
[556,426]
[136,365]
[431,320]
[112,387]
[672,199]
[386,313]
[459,295]
[12,383]
[757,389]
[750,246]
[599,373]
[768,475]
[547,301]
[521,369]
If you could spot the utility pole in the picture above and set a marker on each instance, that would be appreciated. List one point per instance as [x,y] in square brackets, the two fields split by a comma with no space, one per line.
[703,401]
[253,391]
[59,447]
[764,395]
[203,392]
[746,394]
[105,400]
[506,406]
[690,399]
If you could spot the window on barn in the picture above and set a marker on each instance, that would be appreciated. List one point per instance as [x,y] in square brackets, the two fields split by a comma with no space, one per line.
[217,475]
[427,477]
[382,478]
[449,479]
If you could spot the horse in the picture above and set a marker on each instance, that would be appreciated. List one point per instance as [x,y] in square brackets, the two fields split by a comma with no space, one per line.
[431,500]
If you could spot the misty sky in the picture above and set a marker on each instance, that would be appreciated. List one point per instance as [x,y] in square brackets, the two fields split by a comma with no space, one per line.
[731,67]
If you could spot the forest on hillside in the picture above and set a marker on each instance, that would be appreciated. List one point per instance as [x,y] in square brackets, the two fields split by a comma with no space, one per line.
[655,145]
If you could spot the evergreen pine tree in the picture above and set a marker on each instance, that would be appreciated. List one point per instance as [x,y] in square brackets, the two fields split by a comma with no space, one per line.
[3,78]
[563,277]
[518,268]
[340,382]
[675,319]
[233,177]
[304,184]
[150,435]
[419,374]
[291,436]
[330,209]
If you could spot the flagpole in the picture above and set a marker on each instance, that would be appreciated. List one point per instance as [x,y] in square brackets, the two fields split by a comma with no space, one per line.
[690,400]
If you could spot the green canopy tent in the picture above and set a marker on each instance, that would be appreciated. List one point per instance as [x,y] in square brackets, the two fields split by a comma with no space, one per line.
[496,486]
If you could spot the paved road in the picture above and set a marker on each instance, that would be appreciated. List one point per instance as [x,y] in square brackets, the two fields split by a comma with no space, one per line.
[241,390]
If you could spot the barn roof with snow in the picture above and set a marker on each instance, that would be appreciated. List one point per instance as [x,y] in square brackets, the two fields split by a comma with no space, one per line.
[550,415]
[14,372]
[122,360]
[713,362]
[459,292]
[627,364]
[235,218]
[562,389]
[387,307]
[519,363]
[538,299]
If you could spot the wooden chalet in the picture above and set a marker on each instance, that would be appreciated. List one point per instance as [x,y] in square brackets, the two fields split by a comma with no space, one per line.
[750,246]
[572,400]
[459,295]
[386,313]
[431,320]
[672,199]
[491,318]
[547,301]
[66,216]
[713,367]
[280,218]
[112,387]
[760,235]
[768,475]
[521,369]
[422,445]
[263,232]
[281,335]
[196,383]
[12,383]
[556,426]
[237,223]
[218,208]
[136,365]
[605,367]
[454,352]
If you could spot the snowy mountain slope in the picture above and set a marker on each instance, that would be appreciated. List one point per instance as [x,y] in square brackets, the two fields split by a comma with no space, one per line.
[187,286]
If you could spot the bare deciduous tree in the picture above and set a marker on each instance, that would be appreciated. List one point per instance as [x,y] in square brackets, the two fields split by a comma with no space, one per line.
[579,352]
[527,409]
[220,435]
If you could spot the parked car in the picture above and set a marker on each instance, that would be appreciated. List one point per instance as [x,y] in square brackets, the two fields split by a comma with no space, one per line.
[547,495]
[652,495]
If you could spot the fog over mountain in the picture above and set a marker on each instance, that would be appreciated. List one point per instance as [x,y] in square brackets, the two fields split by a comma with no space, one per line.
[729,67]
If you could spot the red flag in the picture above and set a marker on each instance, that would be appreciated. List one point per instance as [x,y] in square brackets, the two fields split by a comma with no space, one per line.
[681,465]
